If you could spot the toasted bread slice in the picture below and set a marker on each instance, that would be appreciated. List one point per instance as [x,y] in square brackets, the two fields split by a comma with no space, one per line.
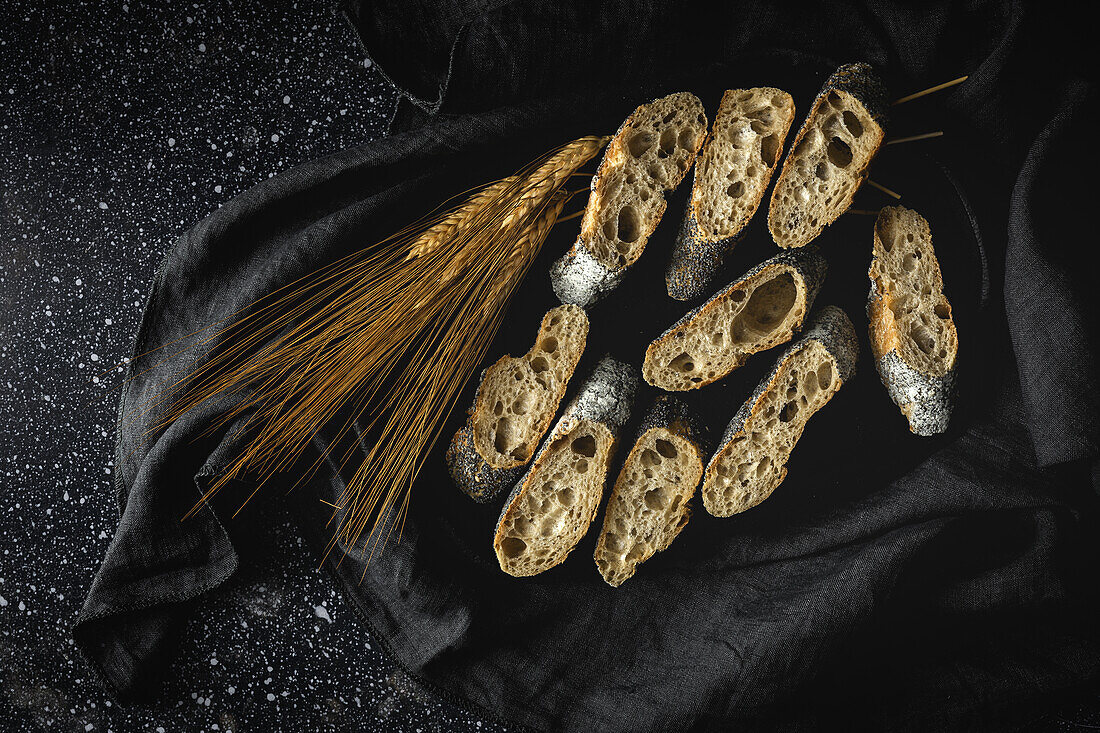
[551,507]
[751,460]
[763,308]
[515,404]
[731,174]
[913,335]
[648,157]
[649,505]
[830,156]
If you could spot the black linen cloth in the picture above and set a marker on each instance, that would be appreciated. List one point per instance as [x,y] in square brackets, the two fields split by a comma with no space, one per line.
[891,582]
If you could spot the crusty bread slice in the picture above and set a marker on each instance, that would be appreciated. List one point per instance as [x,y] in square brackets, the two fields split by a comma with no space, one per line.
[830,155]
[515,404]
[752,458]
[649,156]
[762,309]
[913,335]
[731,174]
[649,506]
[552,506]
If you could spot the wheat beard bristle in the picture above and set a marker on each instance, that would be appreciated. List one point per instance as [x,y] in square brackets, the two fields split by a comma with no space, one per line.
[385,339]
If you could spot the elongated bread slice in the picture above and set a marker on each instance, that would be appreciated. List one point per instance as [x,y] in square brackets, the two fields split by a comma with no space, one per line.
[649,156]
[731,174]
[515,404]
[762,309]
[913,335]
[649,506]
[752,458]
[830,155]
[552,505]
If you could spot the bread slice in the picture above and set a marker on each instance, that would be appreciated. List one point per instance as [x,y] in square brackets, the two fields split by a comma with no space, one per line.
[913,335]
[830,155]
[515,404]
[552,505]
[762,309]
[649,503]
[752,458]
[731,174]
[649,156]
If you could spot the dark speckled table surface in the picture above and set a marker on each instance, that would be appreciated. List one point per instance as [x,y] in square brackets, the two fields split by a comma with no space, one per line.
[121,125]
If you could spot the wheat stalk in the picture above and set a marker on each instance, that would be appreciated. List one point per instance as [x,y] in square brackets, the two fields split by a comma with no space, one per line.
[377,347]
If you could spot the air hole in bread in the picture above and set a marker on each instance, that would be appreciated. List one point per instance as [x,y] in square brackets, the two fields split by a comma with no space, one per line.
[840,153]
[629,225]
[823,171]
[685,362]
[825,375]
[641,142]
[942,310]
[498,408]
[512,547]
[656,499]
[665,448]
[667,141]
[584,446]
[549,344]
[924,339]
[852,123]
[736,189]
[789,411]
[539,364]
[522,404]
[737,296]
[769,149]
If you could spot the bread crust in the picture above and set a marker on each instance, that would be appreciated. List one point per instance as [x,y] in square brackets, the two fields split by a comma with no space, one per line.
[860,82]
[925,397]
[605,398]
[579,277]
[697,254]
[807,267]
[480,478]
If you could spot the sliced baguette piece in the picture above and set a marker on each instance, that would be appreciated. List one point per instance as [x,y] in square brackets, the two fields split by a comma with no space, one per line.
[731,174]
[830,155]
[648,157]
[649,506]
[515,404]
[765,307]
[551,507]
[913,335]
[751,460]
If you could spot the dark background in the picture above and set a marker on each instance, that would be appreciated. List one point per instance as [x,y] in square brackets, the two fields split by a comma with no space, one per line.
[121,125]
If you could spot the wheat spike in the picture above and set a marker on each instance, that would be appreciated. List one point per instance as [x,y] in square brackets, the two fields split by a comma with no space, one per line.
[377,347]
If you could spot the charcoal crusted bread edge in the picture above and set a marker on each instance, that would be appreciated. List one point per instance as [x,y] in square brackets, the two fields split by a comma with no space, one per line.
[577,277]
[861,81]
[697,257]
[832,328]
[675,415]
[468,470]
[926,400]
[607,397]
[807,261]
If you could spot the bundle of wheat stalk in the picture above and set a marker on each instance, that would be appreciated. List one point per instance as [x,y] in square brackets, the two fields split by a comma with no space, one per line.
[379,343]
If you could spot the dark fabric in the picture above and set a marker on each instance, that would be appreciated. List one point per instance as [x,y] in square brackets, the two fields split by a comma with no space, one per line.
[892,582]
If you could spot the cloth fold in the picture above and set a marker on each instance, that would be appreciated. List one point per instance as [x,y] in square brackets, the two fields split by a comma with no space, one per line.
[892,582]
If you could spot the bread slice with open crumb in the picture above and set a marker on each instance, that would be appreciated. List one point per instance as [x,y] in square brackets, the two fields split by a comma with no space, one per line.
[830,156]
[752,458]
[515,404]
[648,157]
[765,307]
[551,507]
[913,335]
[731,174]
[649,505]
